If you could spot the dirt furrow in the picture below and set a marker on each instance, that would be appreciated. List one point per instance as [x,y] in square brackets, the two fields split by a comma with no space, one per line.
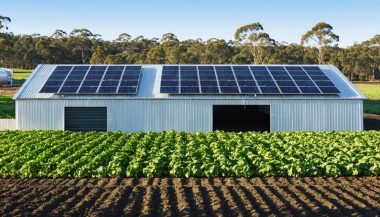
[202,209]
[241,198]
[326,205]
[357,196]
[55,201]
[257,200]
[335,199]
[211,198]
[292,202]
[150,202]
[86,202]
[65,206]
[183,206]
[308,205]
[33,198]
[348,199]
[167,205]
[190,198]
[272,196]
[134,203]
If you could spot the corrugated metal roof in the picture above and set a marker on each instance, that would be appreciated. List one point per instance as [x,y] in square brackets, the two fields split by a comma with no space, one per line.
[149,87]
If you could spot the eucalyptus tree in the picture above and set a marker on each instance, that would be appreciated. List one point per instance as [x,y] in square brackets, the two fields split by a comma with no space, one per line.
[156,55]
[169,38]
[43,49]
[252,35]
[120,44]
[320,36]
[195,51]
[59,34]
[4,22]
[123,38]
[6,42]
[217,51]
[59,49]
[373,46]
[287,54]
[99,55]
[81,41]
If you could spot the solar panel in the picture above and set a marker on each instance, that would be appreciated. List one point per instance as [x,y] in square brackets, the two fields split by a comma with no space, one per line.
[207,78]
[270,90]
[129,80]
[170,79]
[189,80]
[264,79]
[245,80]
[56,79]
[192,79]
[303,80]
[227,80]
[93,79]
[322,82]
[241,79]
[111,80]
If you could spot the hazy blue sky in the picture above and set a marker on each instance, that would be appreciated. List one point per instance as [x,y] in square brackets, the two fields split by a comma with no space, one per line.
[284,20]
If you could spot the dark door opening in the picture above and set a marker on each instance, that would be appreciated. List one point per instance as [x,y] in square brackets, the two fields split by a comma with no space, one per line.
[241,118]
[86,118]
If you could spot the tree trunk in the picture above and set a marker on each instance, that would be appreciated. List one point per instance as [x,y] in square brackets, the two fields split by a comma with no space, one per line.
[373,72]
[320,55]
[83,58]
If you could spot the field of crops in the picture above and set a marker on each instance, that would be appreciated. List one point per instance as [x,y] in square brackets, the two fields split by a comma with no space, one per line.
[20,75]
[7,107]
[178,154]
[372,91]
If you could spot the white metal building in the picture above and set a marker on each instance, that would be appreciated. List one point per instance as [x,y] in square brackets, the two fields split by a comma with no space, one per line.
[150,110]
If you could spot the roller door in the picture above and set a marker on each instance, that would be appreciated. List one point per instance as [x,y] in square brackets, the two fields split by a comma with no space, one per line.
[86,118]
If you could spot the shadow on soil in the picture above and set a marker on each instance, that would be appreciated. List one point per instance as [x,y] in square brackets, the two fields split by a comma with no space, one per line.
[371,122]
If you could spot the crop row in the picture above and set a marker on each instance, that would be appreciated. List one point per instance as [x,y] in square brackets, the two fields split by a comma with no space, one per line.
[179,154]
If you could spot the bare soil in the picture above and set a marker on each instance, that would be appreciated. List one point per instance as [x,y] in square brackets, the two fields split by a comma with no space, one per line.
[371,121]
[343,196]
[8,91]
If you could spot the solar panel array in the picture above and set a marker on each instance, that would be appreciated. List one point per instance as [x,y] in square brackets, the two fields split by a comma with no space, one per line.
[204,79]
[113,79]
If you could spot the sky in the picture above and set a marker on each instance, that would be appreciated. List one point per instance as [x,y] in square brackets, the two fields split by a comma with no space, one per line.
[285,20]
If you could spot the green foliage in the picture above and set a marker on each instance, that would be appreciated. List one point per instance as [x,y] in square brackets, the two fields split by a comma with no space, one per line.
[179,154]
[20,75]
[7,107]
[359,62]
[321,36]
[372,91]
[372,106]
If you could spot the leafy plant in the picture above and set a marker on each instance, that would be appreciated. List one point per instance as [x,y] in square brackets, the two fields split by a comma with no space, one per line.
[180,154]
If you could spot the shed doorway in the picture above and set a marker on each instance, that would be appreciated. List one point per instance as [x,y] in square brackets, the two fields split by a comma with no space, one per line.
[241,118]
[86,118]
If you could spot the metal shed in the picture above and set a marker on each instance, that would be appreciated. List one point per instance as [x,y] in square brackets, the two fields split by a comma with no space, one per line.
[150,110]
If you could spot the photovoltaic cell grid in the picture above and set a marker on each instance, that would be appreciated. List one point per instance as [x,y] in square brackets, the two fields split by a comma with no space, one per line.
[245,80]
[113,79]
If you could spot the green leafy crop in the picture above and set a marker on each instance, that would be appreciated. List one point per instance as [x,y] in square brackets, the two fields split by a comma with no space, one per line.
[179,154]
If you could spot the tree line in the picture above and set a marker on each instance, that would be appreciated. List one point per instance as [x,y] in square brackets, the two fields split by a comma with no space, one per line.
[251,45]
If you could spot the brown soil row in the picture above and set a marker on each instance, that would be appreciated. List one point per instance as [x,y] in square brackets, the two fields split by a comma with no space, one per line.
[8,91]
[371,121]
[343,196]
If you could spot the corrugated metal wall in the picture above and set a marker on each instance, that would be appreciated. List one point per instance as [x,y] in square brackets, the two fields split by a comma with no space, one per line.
[7,124]
[193,115]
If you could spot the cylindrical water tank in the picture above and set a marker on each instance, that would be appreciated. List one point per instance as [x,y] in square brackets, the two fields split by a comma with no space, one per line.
[5,77]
